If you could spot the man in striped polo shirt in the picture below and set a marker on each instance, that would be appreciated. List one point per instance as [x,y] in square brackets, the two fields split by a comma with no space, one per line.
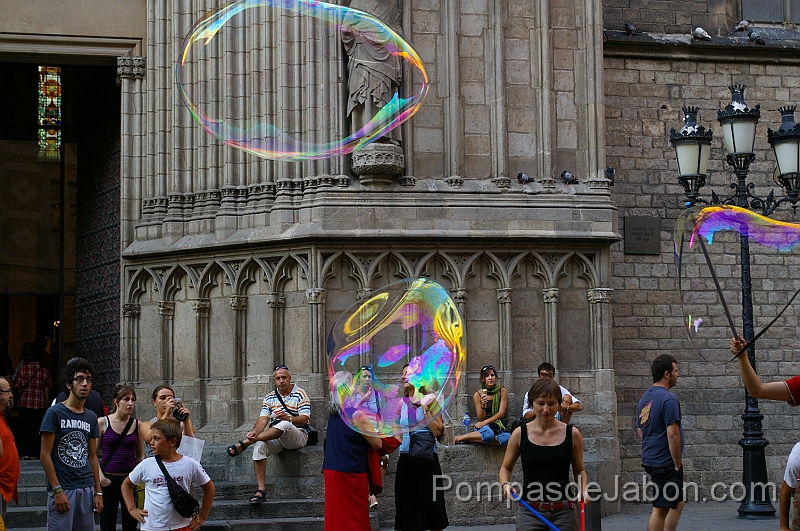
[280,426]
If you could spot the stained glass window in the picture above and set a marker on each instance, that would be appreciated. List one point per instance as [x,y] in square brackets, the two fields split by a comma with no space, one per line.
[49,114]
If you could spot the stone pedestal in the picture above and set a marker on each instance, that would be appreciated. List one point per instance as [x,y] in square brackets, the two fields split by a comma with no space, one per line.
[377,164]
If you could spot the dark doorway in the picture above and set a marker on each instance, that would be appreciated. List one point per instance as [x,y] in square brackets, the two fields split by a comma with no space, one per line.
[59,214]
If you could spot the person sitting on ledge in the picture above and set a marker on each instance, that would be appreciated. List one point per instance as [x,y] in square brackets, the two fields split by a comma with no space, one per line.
[279,427]
[491,403]
[569,402]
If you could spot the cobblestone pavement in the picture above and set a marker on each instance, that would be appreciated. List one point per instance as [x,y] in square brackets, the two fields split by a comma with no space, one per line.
[695,517]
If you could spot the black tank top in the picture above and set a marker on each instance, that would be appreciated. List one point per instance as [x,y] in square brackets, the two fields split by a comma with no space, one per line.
[545,469]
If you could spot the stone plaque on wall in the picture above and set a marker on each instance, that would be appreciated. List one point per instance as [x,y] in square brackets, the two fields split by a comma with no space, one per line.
[642,235]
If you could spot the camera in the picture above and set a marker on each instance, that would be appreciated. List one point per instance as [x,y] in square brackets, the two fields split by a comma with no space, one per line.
[180,416]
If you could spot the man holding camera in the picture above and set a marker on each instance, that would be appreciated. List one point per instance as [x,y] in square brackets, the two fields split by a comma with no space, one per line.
[284,413]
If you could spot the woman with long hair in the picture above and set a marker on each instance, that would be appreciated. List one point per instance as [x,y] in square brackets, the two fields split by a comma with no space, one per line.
[123,449]
[491,404]
[548,448]
[416,506]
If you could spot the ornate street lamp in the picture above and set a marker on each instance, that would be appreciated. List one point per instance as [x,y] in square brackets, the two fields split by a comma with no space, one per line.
[738,123]
[785,143]
[692,147]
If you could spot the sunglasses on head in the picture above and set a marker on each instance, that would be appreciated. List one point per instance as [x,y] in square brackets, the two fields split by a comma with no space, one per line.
[280,367]
[365,368]
[487,367]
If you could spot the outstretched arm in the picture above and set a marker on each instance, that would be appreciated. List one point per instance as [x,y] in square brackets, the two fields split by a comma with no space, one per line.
[785,506]
[754,386]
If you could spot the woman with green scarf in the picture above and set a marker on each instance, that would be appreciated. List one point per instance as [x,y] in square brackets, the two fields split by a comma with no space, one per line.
[491,402]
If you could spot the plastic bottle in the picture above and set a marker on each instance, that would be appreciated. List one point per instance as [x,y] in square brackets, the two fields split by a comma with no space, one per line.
[466,421]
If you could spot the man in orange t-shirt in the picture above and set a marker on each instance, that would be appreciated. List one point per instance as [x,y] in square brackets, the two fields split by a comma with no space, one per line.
[9,458]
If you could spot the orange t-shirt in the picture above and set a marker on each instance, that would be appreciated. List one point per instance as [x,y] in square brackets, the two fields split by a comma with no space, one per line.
[9,463]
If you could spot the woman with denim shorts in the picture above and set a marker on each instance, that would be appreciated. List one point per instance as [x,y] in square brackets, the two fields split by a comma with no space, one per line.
[491,403]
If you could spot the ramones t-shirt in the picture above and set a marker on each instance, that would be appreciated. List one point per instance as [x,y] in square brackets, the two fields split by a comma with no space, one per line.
[70,453]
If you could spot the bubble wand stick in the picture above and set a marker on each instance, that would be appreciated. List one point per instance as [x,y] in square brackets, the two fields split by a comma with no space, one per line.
[533,511]
[583,515]
[719,289]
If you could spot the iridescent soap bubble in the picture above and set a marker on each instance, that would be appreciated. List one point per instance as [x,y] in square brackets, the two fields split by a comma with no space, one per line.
[413,322]
[720,229]
[218,80]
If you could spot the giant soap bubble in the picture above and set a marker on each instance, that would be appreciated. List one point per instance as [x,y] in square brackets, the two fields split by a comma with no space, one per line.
[259,100]
[414,322]
[707,248]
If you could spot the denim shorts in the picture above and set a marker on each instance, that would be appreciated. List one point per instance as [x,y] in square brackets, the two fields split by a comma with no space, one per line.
[487,435]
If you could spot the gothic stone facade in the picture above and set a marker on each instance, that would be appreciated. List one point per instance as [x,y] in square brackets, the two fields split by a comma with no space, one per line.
[232,265]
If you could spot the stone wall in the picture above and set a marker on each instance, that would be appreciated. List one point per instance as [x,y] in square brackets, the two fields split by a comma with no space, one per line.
[644,95]
[717,17]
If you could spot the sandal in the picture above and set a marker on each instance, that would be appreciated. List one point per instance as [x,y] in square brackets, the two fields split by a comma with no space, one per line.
[236,449]
[258,497]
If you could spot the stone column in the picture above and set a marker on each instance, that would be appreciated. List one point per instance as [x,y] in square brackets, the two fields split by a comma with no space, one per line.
[316,298]
[600,319]
[239,306]
[464,399]
[131,73]
[504,329]
[277,301]
[550,296]
[129,364]
[166,309]
[202,308]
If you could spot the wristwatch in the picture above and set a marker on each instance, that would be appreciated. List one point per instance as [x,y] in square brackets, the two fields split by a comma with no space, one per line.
[57,489]
[568,407]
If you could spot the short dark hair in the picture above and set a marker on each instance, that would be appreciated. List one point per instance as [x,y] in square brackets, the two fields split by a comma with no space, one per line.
[171,429]
[30,350]
[543,387]
[546,367]
[662,363]
[74,366]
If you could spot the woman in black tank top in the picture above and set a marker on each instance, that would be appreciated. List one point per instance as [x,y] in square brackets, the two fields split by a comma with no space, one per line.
[548,448]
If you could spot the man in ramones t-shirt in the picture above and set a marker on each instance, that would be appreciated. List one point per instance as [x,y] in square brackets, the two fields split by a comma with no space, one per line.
[659,422]
[69,456]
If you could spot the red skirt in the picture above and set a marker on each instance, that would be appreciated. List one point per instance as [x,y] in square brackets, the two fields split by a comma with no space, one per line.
[346,501]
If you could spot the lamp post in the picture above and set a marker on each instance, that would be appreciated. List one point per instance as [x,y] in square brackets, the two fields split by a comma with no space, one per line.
[692,148]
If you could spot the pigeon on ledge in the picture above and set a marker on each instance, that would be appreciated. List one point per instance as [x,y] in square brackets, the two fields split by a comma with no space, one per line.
[568,178]
[741,26]
[701,34]
[755,37]
[630,29]
[523,179]
[611,172]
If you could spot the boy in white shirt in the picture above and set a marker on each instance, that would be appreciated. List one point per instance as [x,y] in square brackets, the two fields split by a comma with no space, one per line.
[159,514]
[790,482]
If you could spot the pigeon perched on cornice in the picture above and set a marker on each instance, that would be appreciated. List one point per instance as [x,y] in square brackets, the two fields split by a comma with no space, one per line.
[611,172]
[756,37]
[742,25]
[568,178]
[523,179]
[630,29]
[699,33]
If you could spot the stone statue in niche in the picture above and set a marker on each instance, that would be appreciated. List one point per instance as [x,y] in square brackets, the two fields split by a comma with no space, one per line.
[374,74]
